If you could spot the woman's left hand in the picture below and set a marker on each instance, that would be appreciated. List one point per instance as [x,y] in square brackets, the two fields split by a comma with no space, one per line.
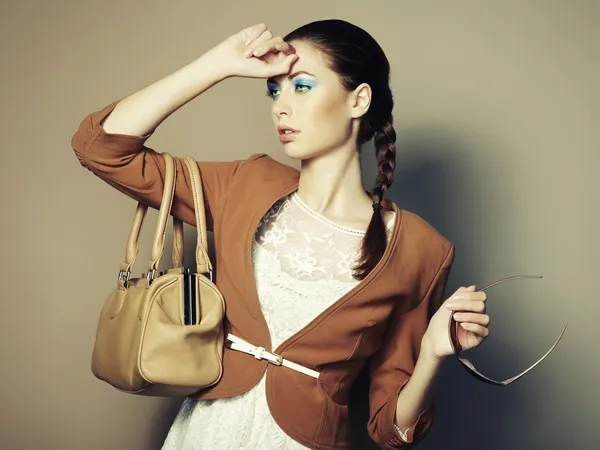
[468,307]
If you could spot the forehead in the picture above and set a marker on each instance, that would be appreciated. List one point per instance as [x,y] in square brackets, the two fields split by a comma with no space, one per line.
[308,54]
[310,60]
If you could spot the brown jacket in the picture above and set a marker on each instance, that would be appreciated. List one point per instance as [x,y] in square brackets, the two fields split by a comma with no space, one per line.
[383,317]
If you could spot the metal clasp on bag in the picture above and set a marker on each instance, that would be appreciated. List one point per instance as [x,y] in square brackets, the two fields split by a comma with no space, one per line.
[126,279]
[150,276]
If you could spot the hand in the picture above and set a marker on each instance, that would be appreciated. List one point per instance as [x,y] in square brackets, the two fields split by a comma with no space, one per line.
[255,53]
[468,307]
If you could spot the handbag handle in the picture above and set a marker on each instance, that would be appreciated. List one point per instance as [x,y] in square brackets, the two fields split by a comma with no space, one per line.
[164,212]
[159,235]
[203,263]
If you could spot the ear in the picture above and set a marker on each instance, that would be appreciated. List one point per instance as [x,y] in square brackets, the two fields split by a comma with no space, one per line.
[360,100]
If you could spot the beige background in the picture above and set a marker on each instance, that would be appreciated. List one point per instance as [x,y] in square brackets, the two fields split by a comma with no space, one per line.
[497,111]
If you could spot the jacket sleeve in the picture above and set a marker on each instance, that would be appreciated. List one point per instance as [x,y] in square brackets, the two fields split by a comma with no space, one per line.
[393,364]
[124,162]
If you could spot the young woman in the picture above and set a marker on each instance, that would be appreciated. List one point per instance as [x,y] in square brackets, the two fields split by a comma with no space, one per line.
[316,272]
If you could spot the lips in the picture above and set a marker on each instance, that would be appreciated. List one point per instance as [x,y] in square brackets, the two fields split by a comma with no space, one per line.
[284,129]
[287,134]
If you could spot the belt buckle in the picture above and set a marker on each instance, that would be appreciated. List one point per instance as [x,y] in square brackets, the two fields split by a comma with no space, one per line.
[278,359]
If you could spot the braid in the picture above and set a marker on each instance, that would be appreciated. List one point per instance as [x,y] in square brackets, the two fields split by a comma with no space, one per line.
[375,239]
[385,154]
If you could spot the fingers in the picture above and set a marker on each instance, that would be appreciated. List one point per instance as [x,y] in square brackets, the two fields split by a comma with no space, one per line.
[260,47]
[254,33]
[477,306]
[481,319]
[460,295]
[257,43]
[464,289]
[260,41]
[463,300]
[469,305]
[276,43]
[475,328]
[287,62]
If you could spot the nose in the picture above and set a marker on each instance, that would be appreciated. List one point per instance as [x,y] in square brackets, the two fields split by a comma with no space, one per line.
[282,106]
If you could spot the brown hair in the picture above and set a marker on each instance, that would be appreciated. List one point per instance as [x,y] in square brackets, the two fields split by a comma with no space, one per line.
[357,58]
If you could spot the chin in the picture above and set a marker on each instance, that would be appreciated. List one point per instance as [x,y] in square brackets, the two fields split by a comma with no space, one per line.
[299,152]
[295,151]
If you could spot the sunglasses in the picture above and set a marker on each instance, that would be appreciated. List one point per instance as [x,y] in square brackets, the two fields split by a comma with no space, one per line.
[468,365]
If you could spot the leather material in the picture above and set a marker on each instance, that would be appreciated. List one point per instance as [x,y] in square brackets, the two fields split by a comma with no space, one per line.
[142,344]
[202,260]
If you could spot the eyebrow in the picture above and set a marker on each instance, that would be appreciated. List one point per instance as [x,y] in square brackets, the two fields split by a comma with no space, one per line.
[295,74]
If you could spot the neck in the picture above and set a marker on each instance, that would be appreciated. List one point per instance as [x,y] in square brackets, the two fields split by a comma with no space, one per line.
[331,185]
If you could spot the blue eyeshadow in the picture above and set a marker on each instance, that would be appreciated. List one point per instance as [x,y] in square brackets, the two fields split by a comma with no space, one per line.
[305,82]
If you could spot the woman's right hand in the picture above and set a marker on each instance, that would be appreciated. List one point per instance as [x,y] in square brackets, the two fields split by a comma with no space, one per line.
[255,53]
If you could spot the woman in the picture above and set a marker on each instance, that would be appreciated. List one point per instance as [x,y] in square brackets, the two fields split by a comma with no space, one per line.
[328,275]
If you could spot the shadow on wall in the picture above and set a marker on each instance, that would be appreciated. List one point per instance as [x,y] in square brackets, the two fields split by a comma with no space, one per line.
[163,419]
[432,179]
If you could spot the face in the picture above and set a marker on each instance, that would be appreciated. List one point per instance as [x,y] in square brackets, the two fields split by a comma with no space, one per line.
[311,100]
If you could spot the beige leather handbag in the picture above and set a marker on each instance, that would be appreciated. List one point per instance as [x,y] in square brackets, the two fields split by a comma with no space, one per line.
[162,334]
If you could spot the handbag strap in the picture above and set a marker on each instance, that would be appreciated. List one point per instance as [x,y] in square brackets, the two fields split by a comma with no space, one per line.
[160,232]
[178,249]
[203,263]
[164,212]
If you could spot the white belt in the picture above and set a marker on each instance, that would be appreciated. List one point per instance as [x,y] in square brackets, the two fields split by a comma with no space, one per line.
[236,343]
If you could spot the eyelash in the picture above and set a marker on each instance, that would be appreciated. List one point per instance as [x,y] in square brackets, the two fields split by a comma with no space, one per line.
[271,92]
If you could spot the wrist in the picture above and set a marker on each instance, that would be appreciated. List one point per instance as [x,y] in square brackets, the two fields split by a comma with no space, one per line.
[427,352]
[214,64]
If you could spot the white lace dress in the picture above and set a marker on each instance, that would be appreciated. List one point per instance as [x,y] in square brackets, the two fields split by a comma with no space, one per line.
[302,263]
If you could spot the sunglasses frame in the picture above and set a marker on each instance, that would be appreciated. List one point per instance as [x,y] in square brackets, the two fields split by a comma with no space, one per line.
[468,365]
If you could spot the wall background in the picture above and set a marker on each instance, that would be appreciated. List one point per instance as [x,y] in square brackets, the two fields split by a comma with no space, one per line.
[497,113]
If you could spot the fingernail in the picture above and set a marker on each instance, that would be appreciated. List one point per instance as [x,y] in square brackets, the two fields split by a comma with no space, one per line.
[450,305]
[248,52]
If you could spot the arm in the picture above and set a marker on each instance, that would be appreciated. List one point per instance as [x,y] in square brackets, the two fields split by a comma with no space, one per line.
[111,142]
[141,112]
[402,376]
[417,395]
[126,163]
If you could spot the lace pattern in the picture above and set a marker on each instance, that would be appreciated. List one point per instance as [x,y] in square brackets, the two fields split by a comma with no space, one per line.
[302,263]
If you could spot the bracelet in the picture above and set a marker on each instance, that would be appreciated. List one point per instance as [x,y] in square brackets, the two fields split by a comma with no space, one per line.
[403,434]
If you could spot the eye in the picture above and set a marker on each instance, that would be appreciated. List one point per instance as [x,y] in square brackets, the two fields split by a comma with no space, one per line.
[272,92]
[302,87]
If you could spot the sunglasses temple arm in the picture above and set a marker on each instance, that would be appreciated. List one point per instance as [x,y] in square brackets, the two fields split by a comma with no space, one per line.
[510,380]
[516,277]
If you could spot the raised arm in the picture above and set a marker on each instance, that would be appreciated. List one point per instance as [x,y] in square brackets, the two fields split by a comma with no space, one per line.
[111,142]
